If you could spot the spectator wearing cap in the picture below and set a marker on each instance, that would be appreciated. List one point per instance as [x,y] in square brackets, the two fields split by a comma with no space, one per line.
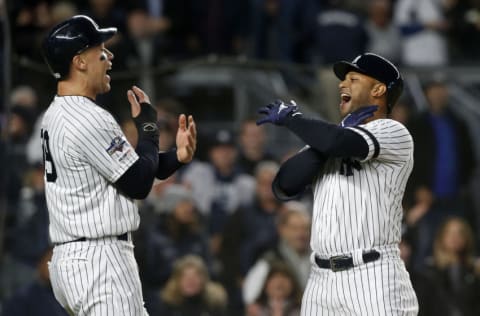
[174,231]
[444,162]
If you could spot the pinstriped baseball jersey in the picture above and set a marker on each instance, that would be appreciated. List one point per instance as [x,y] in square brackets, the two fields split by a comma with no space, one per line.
[363,211]
[85,152]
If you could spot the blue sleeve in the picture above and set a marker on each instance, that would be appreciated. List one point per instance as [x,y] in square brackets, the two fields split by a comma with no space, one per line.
[137,181]
[329,139]
[167,164]
[297,173]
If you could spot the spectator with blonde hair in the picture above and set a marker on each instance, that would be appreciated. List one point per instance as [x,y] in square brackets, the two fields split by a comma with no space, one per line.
[189,291]
[453,275]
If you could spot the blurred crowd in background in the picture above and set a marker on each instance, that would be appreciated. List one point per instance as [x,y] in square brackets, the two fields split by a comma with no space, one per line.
[213,240]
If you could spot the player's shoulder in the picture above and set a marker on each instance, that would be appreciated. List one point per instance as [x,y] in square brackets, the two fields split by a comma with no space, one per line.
[83,112]
[387,125]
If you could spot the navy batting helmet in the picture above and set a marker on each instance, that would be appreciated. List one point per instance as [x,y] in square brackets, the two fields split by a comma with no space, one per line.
[70,38]
[377,67]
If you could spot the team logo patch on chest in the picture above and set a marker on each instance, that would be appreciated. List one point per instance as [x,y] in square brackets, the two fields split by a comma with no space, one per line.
[117,144]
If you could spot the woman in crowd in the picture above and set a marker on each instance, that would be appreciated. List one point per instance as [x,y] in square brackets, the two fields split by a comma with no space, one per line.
[189,291]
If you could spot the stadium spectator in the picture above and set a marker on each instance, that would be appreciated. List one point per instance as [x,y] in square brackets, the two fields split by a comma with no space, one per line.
[423,26]
[292,249]
[36,299]
[249,232]
[444,162]
[252,145]
[464,31]
[175,231]
[189,292]
[281,29]
[334,22]
[281,295]
[383,36]
[453,273]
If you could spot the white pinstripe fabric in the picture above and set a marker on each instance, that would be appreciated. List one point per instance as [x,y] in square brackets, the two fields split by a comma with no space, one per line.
[82,202]
[364,210]
[97,277]
[87,152]
[379,288]
[357,213]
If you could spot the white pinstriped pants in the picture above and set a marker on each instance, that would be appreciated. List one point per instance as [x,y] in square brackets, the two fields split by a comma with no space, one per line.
[97,277]
[381,287]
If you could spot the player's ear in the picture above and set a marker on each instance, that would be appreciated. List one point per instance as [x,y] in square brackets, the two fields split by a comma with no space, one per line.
[379,89]
[79,62]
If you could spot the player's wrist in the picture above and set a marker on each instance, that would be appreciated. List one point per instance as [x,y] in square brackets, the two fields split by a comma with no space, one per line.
[181,157]
[291,117]
[146,124]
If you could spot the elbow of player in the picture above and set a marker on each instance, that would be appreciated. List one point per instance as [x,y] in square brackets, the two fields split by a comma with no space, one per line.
[140,195]
[283,193]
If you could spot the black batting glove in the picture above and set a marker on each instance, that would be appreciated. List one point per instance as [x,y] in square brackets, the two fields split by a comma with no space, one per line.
[146,123]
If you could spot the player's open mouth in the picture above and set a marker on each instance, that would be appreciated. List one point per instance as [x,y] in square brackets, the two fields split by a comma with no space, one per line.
[344,99]
[106,73]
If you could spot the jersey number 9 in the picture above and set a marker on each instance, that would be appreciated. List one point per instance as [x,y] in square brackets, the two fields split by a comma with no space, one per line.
[50,171]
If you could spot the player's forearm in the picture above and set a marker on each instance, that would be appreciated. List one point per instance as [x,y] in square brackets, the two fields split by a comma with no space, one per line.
[137,181]
[297,173]
[327,138]
[167,164]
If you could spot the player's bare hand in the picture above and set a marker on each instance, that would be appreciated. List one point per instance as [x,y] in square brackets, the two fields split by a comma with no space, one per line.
[135,97]
[186,138]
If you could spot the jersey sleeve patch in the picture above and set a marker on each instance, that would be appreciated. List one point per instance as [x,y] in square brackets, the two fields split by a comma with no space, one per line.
[117,144]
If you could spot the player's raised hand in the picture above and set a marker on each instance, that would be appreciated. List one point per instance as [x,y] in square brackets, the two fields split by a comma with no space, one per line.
[136,96]
[144,115]
[186,140]
[277,112]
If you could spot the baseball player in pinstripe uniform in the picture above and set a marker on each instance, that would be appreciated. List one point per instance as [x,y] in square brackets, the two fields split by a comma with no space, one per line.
[358,171]
[93,174]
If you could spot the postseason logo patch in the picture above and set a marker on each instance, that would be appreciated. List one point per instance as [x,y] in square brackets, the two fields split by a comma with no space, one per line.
[116,145]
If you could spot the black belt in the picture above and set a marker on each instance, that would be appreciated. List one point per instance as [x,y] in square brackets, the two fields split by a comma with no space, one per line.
[123,237]
[340,263]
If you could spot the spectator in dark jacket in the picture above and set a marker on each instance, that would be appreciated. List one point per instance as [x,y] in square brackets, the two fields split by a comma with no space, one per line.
[444,162]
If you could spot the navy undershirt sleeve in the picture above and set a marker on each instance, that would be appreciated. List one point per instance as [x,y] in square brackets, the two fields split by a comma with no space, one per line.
[167,164]
[137,181]
[297,173]
[329,139]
